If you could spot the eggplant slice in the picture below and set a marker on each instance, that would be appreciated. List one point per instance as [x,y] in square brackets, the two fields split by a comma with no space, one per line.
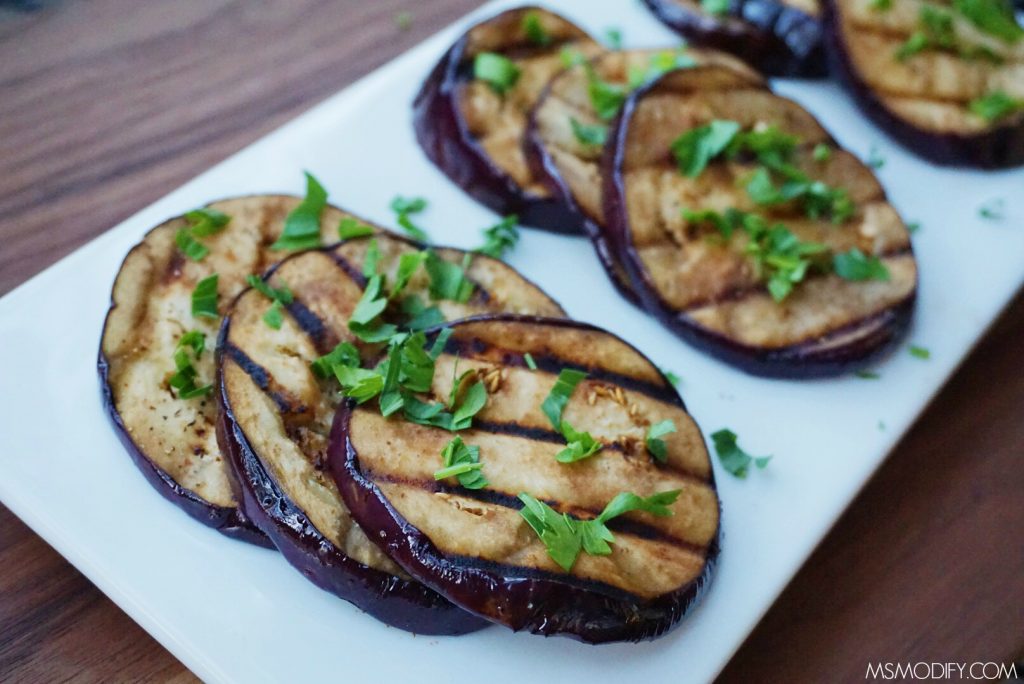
[569,166]
[474,133]
[276,416]
[707,289]
[778,37]
[924,99]
[173,440]
[473,546]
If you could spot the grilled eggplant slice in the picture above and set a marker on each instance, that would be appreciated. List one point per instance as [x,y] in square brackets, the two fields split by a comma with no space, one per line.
[276,415]
[948,90]
[472,127]
[173,440]
[718,288]
[474,547]
[564,139]
[778,37]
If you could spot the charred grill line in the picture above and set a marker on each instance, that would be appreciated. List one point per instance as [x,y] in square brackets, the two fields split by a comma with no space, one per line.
[312,325]
[349,270]
[633,528]
[259,375]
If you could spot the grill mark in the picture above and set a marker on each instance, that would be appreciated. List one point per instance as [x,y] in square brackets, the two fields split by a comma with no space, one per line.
[548,362]
[172,271]
[346,266]
[633,528]
[262,378]
[538,434]
[312,325]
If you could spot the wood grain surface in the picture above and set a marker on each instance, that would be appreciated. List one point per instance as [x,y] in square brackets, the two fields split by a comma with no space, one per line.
[107,105]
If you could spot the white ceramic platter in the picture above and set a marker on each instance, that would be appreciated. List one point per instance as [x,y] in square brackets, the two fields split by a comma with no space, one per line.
[235,613]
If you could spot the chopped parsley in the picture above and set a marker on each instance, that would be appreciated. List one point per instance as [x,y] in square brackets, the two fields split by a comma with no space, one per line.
[995,106]
[880,5]
[913,226]
[204,222]
[994,17]
[579,445]
[993,209]
[350,227]
[698,146]
[673,379]
[278,297]
[734,459]
[364,321]
[936,30]
[183,381]
[302,225]
[534,29]
[855,265]
[613,37]
[419,316]
[530,363]
[715,7]
[204,297]
[565,537]
[919,352]
[656,445]
[448,280]
[592,135]
[497,71]
[404,207]
[605,97]
[189,246]
[660,63]
[822,153]
[780,257]
[462,461]
[345,354]
[571,57]
[500,237]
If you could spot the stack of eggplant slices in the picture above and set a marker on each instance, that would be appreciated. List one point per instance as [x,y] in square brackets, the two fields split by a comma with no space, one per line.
[423,432]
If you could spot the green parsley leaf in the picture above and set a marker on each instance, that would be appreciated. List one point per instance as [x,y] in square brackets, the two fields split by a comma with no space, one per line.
[875,158]
[439,342]
[204,297]
[462,461]
[419,316]
[867,375]
[272,316]
[499,72]
[500,237]
[204,222]
[350,227]
[695,148]
[195,339]
[715,7]
[530,363]
[189,246]
[345,354]
[404,207]
[555,403]
[534,29]
[996,105]
[448,280]
[589,134]
[302,225]
[725,223]
[579,445]
[855,265]
[571,57]
[408,264]
[994,17]
[673,379]
[391,396]
[780,257]
[627,502]
[822,153]
[606,98]
[913,227]
[994,209]
[880,5]
[371,259]
[919,352]
[734,459]
[363,321]
[279,297]
[613,37]
[416,364]
[403,20]
[473,401]
[660,63]
[359,383]
[184,378]
[655,445]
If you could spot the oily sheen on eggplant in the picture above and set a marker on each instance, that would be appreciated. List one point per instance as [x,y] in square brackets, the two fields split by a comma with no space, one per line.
[924,100]
[173,440]
[569,167]
[474,134]
[706,289]
[472,545]
[778,37]
[276,415]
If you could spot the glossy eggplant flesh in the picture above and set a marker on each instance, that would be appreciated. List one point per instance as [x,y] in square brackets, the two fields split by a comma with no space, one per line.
[474,547]
[930,86]
[708,286]
[564,141]
[173,440]
[777,37]
[277,415]
[470,122]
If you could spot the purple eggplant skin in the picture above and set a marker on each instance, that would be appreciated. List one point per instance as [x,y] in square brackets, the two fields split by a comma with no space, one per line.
[815,359]
[1001,147]
[774,38]
[442,132]
[539,604]
[231,522]
[394,601]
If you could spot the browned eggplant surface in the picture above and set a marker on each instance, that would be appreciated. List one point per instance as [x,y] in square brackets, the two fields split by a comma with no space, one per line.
[946,80]
[542,567]
[471,112]
[170,437]
[277,414]
[569,125]
[778,37]
[750,233]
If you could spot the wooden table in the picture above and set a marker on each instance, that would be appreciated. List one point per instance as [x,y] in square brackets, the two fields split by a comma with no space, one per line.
[107,105]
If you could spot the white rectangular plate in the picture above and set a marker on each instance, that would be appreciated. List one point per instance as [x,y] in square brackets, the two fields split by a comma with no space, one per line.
[235,613]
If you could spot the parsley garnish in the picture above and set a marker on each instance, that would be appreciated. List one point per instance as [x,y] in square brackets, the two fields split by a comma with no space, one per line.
[204,222]
[875,158]
[184,378]
[189,246]
[364,321]
[571,57]
[593,135]
[660,63]
[715,7]
[497,71]
[919,352]
[404,207]
[345,354]
[993,209]
[994,17]
[534,29]
[566,537]
[500,237]
[822,153]
[673,379]
[350,227]
[448,280]
[655,445]
[579,445]
[418,315]
[613,37]
[278,297]
[204,297]
[606,98]
[855,265]
[408,264]
[462,461]
[881,5]
[530,363]
[996,105]
[734,459]
[913,226]
[359,383]
[302,225]
[779,255]
[698,146]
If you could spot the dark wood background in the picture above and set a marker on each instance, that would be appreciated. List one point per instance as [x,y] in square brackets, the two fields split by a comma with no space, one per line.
[107,105]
